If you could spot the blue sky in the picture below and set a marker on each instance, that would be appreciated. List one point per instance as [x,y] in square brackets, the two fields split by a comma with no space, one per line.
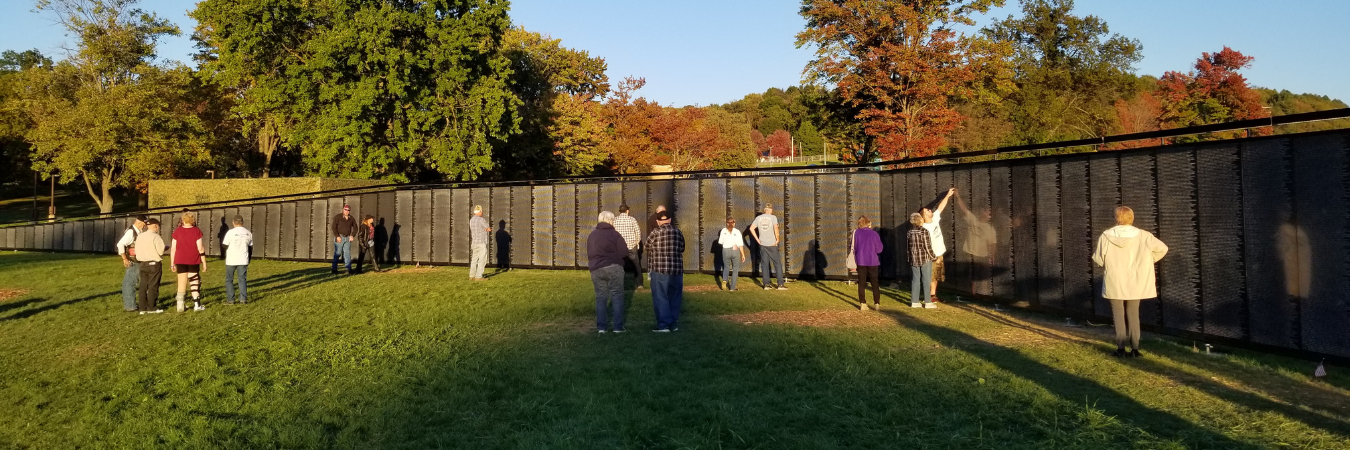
[703,52]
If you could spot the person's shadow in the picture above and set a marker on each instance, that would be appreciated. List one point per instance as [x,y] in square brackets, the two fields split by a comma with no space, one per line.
[381,241]
[220,234]
[503,239]
[392,258]
[719,266]
[813,262]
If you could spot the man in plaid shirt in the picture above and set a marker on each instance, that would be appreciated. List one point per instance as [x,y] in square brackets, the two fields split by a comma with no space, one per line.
[921,263]
[627,227]
[665,260]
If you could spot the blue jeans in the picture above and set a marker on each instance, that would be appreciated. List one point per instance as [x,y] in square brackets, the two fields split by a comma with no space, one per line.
[243,283]
[343,249]
[130,281]
[921,286]
[608,282]
[731,266]
[768,256]
[667,297]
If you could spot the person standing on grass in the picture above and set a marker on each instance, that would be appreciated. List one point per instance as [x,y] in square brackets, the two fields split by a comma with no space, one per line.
[1127,255]
[933,223]
[733,254]
[126,248]
[238,241]
[921,258]
[651,227]
[627,226]
[867,254]
[606,251]
[665,256]
[365,236]
[344,227]
[766,231]
[149,249]
[478,232]
[188,253]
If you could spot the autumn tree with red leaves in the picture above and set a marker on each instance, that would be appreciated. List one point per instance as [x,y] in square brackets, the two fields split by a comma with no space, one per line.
[1213,93]
[898,63]
[779,144]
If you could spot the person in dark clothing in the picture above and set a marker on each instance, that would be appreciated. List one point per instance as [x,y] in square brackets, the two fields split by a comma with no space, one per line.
[665,247]
[365,236]
[344,227]
[651,227]
[605,253]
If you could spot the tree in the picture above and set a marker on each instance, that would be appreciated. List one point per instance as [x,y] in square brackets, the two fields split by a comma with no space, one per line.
[898,63]
[1284,102]
[760,143]
[551,80]
[809,140]
[779,144]
[1069,72]
[734,148]
[1214,93]
[629,120]
[15,151]
[382,89]
[107,115]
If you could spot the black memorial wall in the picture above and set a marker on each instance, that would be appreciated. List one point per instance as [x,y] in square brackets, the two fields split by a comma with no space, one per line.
[1258,229]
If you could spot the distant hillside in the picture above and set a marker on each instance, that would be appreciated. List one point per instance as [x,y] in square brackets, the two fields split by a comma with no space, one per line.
[1284,102]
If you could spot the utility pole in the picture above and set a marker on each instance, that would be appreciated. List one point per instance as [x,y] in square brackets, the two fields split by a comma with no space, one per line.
[35,195]
[51,210]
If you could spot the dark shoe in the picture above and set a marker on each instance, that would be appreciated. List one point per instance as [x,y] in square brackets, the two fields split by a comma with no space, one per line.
[1120,353]
[1135,354]
[335,272]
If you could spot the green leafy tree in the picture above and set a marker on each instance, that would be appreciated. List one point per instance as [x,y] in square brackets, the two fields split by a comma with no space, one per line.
[107,115]
[14,122]
[557,86]
[734,147]
[369,89]
[809,140]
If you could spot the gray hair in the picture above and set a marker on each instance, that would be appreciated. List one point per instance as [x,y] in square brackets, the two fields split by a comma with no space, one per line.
[607,217]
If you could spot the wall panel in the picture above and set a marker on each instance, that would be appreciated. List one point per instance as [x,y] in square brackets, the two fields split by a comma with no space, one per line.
[1219,205]
[1178,273]
[1138,190]
[542,218]
[565,225]
[321,237]
[1275,282]
[518,229]
[387,232]
[422,213]
[713,218]
[588,213]
[461,211]
[1322,208]
[441,225]
[1049,252]
[501,224]
[832,224]
[1104,197]
[687,220]
[799,229]
[304,228]
[405,228]
[1000,207]
[1077,235]
[1024,249]
[286,231]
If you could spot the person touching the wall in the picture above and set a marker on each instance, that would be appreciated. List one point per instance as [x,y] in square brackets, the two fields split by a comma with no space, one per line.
[1127,255]
[932,221]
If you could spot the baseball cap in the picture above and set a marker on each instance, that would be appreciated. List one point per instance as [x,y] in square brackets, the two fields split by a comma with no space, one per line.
[346,207]
[663,215]
[142,218]
[152,221]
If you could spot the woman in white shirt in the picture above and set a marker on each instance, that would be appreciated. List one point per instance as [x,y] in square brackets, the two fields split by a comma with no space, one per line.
[733,254]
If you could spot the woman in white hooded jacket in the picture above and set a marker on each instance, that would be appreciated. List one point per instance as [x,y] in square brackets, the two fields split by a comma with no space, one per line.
[1128,254]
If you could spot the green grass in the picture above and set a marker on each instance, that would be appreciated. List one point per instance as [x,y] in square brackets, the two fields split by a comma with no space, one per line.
[427,359]
[70,203]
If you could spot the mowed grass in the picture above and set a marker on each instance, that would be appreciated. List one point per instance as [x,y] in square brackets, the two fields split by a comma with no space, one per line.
[424,358]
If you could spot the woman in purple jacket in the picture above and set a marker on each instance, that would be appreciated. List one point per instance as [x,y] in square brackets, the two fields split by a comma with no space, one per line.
[866,252]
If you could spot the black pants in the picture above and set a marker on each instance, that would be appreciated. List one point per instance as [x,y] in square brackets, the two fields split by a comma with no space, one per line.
[147,297]
[866,274]
[367,253]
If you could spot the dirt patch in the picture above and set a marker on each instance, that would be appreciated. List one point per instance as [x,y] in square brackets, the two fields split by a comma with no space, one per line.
[11,294]
[410,269]
[813,318]
[702,288]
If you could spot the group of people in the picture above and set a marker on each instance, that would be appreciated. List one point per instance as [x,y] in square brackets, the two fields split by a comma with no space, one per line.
[142,250]
[615,250]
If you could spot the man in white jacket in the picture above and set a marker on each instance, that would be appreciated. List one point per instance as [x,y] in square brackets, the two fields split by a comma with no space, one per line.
[126,249]
[1128,254]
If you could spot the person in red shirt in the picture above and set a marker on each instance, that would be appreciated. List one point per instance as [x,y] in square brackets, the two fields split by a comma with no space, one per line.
[188,254]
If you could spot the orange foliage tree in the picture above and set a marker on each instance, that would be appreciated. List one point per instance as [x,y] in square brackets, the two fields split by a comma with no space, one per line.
[1213,93]
[897,63]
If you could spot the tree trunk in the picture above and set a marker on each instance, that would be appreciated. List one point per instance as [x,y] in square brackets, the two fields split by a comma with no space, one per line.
[106,206]
[104,201]
[268,139]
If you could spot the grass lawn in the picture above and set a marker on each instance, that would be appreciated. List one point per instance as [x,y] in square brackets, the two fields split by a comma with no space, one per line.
[424,358]
[70,203]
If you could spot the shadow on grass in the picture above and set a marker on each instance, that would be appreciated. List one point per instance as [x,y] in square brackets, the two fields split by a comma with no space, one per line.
[277,284]
[1073,388]
[26,313]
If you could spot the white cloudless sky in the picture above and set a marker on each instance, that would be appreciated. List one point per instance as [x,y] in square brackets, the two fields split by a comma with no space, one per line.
[700,52]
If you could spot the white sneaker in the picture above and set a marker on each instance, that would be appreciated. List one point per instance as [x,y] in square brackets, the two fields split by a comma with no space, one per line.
[602,331]
[782,288]
[198,307]
[157,311]
[862,307]
[142,313]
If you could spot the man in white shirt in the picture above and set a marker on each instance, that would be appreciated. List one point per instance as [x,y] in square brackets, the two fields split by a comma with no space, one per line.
[627,226]
[766,231]
[733,254]
[237,243]
[932,219]
[126,249]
